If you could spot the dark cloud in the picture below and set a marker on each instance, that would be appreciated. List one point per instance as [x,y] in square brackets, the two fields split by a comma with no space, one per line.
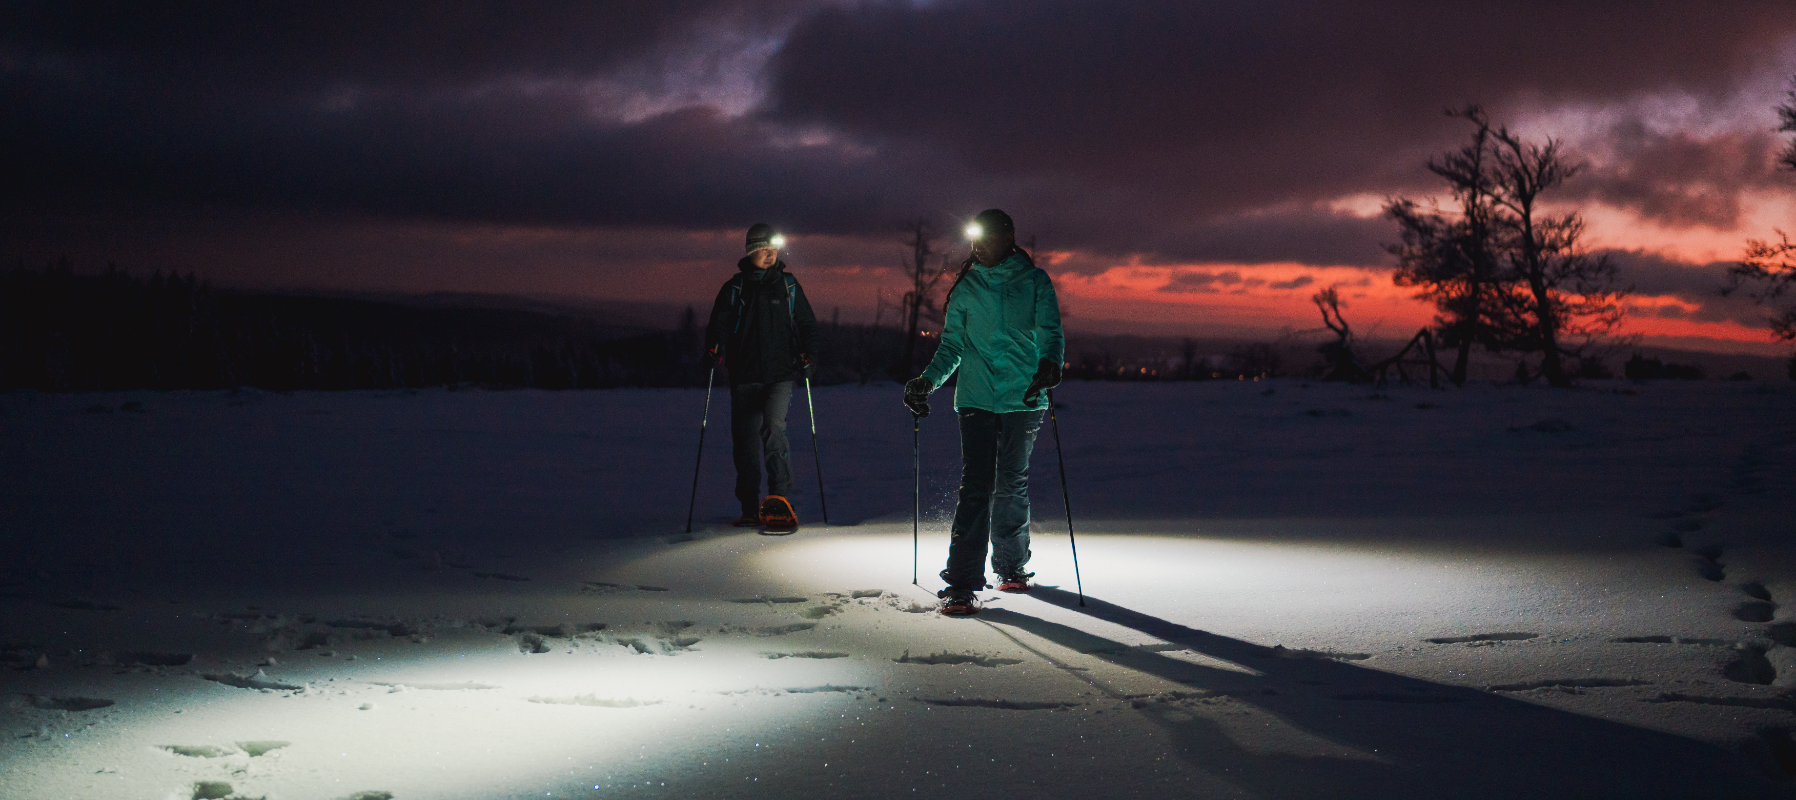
[199,48]
[1216,107]
[1700,285]
[1294,283]
[1172,131]
[1678,179]
[1199,281]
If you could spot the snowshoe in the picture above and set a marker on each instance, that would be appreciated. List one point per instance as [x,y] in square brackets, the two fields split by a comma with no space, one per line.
[777,515]
[749,519]
[1016,584]
[958,602]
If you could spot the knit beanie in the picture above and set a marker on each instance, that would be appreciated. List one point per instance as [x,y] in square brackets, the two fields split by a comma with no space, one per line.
[762,235]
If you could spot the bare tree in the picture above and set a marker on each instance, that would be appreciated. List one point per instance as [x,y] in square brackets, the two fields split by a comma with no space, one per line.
[918,305]
[1787,114]
[1342,365]
[1453,259]
[1772,265]
[1505,272]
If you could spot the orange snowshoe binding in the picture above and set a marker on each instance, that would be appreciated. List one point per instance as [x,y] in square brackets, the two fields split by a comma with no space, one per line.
[777,515]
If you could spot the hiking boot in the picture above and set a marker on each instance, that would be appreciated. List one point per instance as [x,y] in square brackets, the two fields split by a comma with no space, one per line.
[1015,584]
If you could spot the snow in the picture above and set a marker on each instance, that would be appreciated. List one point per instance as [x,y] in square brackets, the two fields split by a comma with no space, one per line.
[1292,590]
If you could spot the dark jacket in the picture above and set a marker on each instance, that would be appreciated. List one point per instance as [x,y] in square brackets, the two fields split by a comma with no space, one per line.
[762,321]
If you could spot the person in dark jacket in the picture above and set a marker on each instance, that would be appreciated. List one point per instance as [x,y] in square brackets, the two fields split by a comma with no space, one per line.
[762,330]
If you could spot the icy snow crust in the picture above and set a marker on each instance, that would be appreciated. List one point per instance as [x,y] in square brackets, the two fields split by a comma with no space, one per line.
[1293,591]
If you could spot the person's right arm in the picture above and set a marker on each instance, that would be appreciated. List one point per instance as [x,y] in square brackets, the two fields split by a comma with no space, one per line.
[948,351]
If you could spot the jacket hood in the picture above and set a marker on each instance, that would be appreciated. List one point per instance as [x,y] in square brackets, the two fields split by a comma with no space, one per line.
[1010,267]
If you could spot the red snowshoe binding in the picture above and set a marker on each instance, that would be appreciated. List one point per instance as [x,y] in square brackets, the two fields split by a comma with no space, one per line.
[958,602]
[1016,584]
[777,515]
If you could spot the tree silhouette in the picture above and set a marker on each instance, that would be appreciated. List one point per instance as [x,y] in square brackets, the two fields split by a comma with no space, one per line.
[1505,272]
[1342,365]
[1771,265]
[918,304]
[1453,260]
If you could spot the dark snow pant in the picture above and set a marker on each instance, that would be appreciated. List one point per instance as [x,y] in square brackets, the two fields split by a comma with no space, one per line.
[757,426]
[994,496]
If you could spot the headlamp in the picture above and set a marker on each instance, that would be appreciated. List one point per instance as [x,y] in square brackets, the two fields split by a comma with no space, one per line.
[777,241]
[974,231]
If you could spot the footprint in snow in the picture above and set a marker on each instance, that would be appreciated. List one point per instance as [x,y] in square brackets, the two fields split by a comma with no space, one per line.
[1751,667]
[198,750]
[1670,640]
[594,701]
[465,686]
[1569,685]
[952,659]
[259,681]
[1281,651]
[66,703]
[602,587]
[1005,705]
[1755,611]
[1479,639]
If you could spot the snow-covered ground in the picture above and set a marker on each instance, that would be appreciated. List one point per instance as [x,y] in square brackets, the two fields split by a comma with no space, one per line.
[1303,591]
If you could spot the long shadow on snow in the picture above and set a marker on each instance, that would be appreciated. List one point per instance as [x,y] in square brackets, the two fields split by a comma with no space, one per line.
[1417,738]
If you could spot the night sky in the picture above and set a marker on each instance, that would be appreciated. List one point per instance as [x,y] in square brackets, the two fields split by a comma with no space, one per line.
[1193,167]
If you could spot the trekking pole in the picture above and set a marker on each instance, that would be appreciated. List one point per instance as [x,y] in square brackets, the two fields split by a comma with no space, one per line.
[701,447]
[916,493]
[815,457]
[1060,456]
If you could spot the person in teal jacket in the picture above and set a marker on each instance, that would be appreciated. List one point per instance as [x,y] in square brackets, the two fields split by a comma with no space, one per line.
[1001,331]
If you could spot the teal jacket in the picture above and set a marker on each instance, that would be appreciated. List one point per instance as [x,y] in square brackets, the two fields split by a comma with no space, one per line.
[1001,321]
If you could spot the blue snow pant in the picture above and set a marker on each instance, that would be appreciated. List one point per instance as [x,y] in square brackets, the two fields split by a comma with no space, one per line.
[994,496]
[757,432]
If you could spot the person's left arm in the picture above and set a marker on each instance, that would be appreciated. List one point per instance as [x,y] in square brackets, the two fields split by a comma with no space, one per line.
[1052,340]
[1047,320]
[805,321]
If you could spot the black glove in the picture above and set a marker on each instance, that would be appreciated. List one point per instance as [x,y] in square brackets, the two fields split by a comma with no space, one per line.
[1047,376]
[916,396]
[806,366]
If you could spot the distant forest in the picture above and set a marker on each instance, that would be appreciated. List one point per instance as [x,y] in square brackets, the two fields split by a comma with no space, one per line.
[65,331]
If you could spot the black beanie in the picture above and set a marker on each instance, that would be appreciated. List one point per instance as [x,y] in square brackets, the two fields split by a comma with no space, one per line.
[760,235]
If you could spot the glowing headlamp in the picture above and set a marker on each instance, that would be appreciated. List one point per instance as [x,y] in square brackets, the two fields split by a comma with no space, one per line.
[777,241]
[974,231]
